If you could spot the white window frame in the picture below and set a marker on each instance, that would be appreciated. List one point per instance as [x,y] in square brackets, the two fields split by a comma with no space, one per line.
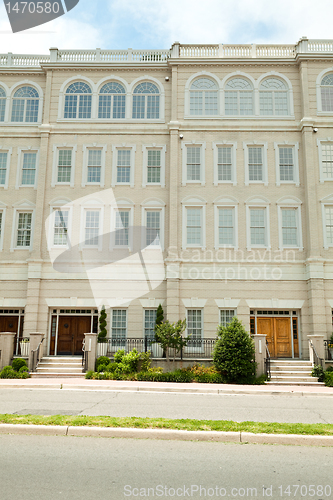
[9,154]
[145,149]
[320,143]
[326,204]
[194,203]
[114,345]
[320,77]
[231,205]
[202,146]
[53,208]
[9,105]
[20,156]
[144,320]
[295,147]
[226,309]
[155,81]
[56,148]
[257,203]
[153,206]
[292,204]
[193,348]
[122,206]
[95,206]
[233,146]
[3,220]
[24,207]
[255,144]
[115,149]
[85,149]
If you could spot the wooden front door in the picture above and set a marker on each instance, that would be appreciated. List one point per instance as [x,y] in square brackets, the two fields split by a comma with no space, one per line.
[71,332]
[9,323]
[278,334]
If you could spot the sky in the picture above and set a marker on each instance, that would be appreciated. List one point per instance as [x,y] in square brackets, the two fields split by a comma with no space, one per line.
[156,24]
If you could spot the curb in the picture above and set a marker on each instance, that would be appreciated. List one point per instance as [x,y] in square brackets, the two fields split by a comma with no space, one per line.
[166,434]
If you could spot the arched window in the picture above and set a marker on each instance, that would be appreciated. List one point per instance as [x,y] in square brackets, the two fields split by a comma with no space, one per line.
[146,101]
[78,101]
[111,102]
[2,104]
[273,97]
[25,105]
[238,97]
[203,97]
[327,93]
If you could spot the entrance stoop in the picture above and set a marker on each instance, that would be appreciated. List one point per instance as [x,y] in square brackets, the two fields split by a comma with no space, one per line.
[292,372]
[59,366]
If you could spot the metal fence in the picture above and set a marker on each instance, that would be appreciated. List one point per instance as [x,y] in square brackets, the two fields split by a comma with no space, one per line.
[328,350]
[195,349]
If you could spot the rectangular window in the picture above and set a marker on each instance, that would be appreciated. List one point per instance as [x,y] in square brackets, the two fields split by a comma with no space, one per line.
[153,227]
[226,226]
[94,165]
[119,326]
[64,165]
[226,316]
[124,166]
[154,166]
[194,326]
[327,160]
[60,231]
[122,227]
[257,226]
[91,227]
[286,164]
[193,164]
[329,225]
[0,227]
[194,226]
[150,320]
[24,226]
[29,169]
[255,164]
[224,164]
[289,227]
[3,167]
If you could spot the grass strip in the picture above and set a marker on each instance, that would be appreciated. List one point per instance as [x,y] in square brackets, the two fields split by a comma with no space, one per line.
[165,423]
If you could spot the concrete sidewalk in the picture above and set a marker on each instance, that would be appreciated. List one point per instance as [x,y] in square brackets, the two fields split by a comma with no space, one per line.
[189,388]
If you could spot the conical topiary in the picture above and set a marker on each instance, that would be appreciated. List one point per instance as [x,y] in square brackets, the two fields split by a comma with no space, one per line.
[102,326]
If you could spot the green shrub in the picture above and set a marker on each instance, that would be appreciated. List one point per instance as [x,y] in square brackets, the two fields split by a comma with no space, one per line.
[329,369]
[318,372]
[329,378]
[19,363]
[102,326]
[118,356]
[111,367]
[23,369]
[234,353]
[89,374]
[209,378]
[102,360]
[8,372]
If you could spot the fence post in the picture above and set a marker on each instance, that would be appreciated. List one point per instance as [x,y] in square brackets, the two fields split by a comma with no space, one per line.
[260,353]
[90,346]
[35,339]
[6,348]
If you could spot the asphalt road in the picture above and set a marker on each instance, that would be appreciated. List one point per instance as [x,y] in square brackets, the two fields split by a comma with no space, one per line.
[72,468]
[260,408]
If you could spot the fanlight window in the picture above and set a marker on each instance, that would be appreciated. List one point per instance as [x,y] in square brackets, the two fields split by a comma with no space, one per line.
[25,105]
[327,93]
[238,97]
[203,97]
[78,101]
[2,104]
[111,102]
[146,101]
[273,97]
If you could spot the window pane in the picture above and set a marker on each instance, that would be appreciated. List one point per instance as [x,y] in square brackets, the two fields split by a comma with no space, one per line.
[64,165]
[257,226]
[196,103]
[226,316]
[85,106]
[210,103]
[119,326]
[327,98]
[329,225]
[18,110]
[194,325]
[153,228]
[154,166]
[122,225]
[138,106]
[286,159]
[327,160]
[31,114]
[266,103]
[226,226]
[94,165]
[255,164]
[3,167]
[153,106]
[194,226]
[124,165]
[60,227]
[150,320]
[193,164]
[92,227]
[224,164]
[24,230]
[289,227]
[29,169]
[70,106]
[246,103]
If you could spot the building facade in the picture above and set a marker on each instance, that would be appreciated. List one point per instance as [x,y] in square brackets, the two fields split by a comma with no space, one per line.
[210,167]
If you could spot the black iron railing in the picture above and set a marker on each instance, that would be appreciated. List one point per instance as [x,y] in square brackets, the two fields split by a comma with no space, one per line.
[268,362]
[197,349]
[36,356]
[316,359]
[328,350]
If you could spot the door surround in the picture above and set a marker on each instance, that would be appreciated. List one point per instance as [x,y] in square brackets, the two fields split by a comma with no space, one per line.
[55,319]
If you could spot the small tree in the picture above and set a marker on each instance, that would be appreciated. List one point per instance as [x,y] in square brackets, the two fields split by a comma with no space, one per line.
[170,335]
[102,326]
[159,316]
[234,353]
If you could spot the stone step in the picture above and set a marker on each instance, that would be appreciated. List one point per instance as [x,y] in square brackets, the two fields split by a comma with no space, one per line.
[50,365]
[277,368]
[56,375]
[283,378]
[315,384]
[282,362]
